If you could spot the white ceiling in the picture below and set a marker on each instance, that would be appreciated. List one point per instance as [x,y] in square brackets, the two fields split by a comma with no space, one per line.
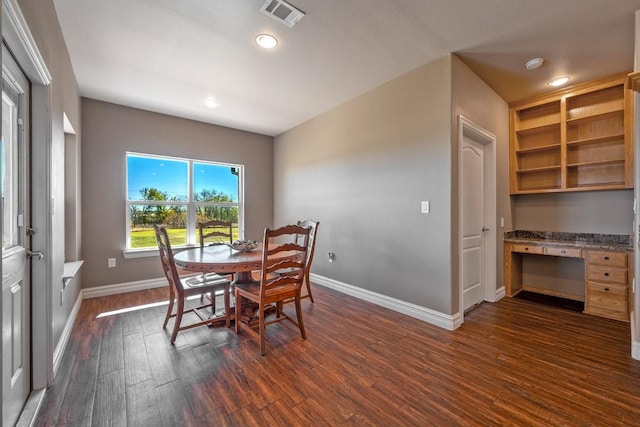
[168,56]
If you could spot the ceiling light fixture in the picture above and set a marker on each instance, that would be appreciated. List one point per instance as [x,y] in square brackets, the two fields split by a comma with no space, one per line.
[266,41]
[558,81]
[211,102]
[534,63]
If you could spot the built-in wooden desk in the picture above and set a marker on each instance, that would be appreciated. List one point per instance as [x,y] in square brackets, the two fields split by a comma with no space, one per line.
[608,264]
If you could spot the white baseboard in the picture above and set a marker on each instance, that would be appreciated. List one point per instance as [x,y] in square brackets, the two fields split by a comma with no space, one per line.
[500,293]
[58,352]
[121,288]
[433,317]
[635,350]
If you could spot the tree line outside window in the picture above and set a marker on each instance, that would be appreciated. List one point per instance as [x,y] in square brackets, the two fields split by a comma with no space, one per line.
[178,193]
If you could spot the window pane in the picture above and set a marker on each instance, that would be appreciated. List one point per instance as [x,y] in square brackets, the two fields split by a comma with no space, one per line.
[215,183]
[155,178]
[220,213]
[142,218]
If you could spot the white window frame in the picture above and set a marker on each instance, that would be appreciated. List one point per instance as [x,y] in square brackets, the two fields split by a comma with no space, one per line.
[191,205]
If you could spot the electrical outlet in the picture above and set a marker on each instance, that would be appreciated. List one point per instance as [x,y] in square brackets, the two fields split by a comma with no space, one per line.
[331,256]
[424,207]
[111,262]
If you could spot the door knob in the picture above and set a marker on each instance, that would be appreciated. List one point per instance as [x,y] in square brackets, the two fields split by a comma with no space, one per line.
[35,254]
[485,229]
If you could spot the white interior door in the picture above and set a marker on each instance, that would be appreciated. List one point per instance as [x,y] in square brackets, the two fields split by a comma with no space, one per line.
[16,284]
[473,222]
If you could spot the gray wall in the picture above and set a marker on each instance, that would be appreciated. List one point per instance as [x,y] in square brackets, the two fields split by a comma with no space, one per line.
[362,169]
[607,212]
[476,101]
[109,131]
[43,23]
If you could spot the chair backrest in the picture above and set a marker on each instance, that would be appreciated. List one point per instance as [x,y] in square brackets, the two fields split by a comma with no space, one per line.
[313,226]
[293,239]
[217,229]
[166,258]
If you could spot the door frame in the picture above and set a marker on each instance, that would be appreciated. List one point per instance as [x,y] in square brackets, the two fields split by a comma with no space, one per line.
[468,128]
[19,40]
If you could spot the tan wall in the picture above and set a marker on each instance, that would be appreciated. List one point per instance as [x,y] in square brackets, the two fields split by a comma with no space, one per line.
[476,101]
[109,131]
[362,169]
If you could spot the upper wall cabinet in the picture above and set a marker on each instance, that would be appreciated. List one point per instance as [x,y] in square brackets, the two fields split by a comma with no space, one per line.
[576,139]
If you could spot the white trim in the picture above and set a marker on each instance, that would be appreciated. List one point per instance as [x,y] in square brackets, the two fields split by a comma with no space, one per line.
[500,293]
[433,317]
[58,352]
[635,350]
[121,288]
[20,33]
[20,41]
[477,133]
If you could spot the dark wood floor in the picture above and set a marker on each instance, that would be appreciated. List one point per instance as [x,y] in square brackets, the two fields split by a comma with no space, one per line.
[513,363]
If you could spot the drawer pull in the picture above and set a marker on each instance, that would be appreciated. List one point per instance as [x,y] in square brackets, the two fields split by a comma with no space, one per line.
[606,274]
[526,249]
[606,258]
[563,251]
[606,289]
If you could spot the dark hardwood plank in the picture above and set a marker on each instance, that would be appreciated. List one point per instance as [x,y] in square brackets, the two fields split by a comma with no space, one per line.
[110,404]
[142,406]
[512,363]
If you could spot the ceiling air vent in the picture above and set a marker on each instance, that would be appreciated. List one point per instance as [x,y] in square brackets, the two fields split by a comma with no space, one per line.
[282,11]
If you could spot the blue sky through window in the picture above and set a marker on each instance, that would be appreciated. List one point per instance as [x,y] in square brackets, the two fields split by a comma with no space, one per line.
[171,176]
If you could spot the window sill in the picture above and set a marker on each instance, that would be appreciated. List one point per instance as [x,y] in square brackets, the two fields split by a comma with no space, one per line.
[150,252]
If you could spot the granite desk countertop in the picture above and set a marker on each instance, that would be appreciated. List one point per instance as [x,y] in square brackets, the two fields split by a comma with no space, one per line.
[613,242]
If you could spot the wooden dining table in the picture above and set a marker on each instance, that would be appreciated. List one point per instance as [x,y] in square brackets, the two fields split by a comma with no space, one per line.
[223,260]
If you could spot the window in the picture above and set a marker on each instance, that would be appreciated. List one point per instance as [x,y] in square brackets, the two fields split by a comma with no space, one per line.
[178,193]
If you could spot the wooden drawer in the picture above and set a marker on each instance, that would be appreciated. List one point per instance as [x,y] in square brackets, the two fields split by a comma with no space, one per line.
[607,300]
[613,259]
[568,252]
[602,273]
[528,249]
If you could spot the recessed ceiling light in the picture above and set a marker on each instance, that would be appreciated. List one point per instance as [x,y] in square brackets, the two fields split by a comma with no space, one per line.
[266,41]
[534,63]
[211,102]
[558,81]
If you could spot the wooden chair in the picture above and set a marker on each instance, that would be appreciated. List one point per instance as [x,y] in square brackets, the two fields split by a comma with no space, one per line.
[313,226]
[216,229]
[274,287]
[181,288]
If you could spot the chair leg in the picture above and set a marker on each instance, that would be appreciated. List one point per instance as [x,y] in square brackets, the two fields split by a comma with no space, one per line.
[169,310]
[213,302]
[238,310]
[263,349]
[299,315]
[227,306]
[306,279]
[176,326]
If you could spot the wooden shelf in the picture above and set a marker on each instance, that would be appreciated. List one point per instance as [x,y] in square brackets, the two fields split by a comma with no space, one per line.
[575,139]
[538,149]
[540,129]
[540,169]
[598,140]
[596,162]
[602,116]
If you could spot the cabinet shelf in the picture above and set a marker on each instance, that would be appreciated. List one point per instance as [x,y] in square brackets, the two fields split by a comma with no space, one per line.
[540,169]
[537,149]
[574,139]
[595,117]
[587,141]
[596,162]
[531,130]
